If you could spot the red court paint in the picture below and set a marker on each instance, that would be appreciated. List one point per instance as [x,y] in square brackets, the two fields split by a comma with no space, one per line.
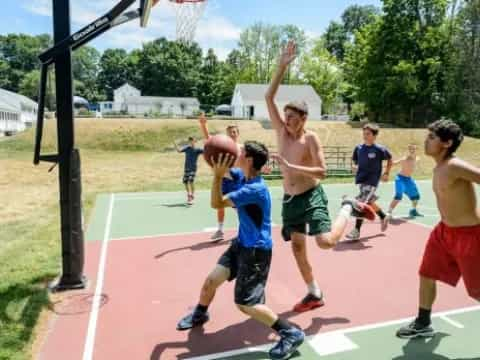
[151,283]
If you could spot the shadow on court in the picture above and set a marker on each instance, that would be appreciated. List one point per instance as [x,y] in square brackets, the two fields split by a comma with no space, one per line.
[237,336]
[416,349]
[356,245]
[195,247]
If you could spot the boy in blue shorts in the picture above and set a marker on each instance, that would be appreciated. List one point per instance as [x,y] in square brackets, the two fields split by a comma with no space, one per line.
[248,258]
[404,183]
[368,161]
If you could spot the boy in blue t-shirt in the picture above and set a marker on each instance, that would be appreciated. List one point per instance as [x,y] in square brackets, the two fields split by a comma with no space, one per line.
[368,161]
[248,258]
[190,167]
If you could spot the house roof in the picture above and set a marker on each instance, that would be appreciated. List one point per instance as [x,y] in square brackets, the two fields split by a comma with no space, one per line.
[256,92]
[147,100]
[15,101]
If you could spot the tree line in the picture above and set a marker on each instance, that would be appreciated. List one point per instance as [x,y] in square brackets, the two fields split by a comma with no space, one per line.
[407,63]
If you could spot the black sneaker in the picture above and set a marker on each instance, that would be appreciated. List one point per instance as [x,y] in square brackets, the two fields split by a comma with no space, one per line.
[192,320]
[290,340]
[415,330]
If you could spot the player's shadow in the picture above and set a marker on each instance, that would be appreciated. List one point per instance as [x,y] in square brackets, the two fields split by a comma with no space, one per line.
[356,245]
[195,247]
[237,336]
[184,204]
[416,349]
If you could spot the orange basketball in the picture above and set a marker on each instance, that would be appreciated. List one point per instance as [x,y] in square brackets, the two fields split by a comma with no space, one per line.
[219,144]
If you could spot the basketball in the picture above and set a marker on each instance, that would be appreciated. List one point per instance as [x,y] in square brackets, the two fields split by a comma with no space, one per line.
[219,144]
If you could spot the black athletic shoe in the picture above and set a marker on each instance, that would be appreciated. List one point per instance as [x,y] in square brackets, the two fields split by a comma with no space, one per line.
[415,330]
[192,320]
[290,340]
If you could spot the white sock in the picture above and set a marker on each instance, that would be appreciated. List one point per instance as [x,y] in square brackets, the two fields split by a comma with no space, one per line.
[220,226]
[345,211]
[314,289]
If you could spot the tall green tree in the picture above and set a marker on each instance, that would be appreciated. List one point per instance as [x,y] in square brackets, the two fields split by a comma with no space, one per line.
[321,70]
[170,68]
[114,71]
[85,69]
[397,63]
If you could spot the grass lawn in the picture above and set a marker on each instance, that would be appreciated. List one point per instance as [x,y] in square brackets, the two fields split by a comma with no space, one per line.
[117,155]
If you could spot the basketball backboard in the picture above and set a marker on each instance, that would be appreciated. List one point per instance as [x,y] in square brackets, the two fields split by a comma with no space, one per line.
[145,7]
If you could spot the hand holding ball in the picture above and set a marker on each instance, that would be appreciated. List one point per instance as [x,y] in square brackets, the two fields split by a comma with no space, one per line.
[219,144]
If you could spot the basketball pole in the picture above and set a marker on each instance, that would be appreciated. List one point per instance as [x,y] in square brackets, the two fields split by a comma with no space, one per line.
[68,160]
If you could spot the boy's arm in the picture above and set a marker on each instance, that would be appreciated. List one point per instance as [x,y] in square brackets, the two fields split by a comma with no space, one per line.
[463,170]
[203,125]
[319,168]
[288,55]
[176,146]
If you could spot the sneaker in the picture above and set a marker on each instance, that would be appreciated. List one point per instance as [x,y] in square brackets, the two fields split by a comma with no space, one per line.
[413,213]
[290,340]
[415,330]
[384,222]
[217,236]
[190,199]
[354,235]
[192,320]
[309,302]
[359,209]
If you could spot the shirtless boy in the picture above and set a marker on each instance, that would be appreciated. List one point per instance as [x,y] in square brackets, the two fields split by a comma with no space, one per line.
[302,162]
[453,249]
[404,183]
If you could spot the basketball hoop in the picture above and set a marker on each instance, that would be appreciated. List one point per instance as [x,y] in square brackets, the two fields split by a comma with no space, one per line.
[188,13]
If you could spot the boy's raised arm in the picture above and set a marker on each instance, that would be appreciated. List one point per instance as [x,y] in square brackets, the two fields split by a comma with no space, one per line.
[466,171]
[287,56]
[202,120]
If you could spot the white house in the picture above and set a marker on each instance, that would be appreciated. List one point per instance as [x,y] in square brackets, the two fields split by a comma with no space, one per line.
[129,100]
[17,112]
[248,100]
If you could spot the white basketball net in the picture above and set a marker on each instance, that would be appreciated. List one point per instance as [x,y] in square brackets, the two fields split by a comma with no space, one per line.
[188,14]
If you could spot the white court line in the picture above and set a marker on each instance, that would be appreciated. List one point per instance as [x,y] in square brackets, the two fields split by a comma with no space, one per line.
[92,323]
[452,322]
[342,332]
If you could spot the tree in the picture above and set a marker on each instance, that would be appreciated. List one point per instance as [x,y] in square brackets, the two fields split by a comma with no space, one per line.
[114,71]
[356,17]
[335,38]
[170,68]
[259,47]
[85,68]
[322,71]
[397,63]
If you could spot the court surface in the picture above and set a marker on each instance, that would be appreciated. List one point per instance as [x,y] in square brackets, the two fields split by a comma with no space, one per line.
[147,255]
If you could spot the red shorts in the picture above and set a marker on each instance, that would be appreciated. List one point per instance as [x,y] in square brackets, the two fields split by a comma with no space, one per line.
[451,253]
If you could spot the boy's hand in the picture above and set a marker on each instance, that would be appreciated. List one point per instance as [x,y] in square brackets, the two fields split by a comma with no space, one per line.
[280,160]
[385,177]
[220,168]
[289,54]
[354,168]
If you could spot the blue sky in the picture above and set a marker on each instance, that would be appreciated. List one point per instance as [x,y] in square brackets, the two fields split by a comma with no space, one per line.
[219,27]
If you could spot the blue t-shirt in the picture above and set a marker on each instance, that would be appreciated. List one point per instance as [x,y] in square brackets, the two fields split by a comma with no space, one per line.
[369,159]
[253,205]
[191,157]
[236,181]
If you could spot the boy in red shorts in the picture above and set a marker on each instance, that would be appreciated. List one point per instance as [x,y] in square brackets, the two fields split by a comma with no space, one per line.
[453,249]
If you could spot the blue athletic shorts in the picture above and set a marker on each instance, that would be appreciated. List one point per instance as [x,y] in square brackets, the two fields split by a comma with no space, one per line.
[406,185]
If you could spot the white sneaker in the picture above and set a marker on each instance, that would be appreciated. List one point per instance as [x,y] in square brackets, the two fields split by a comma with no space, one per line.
[217,236]
[354,235]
